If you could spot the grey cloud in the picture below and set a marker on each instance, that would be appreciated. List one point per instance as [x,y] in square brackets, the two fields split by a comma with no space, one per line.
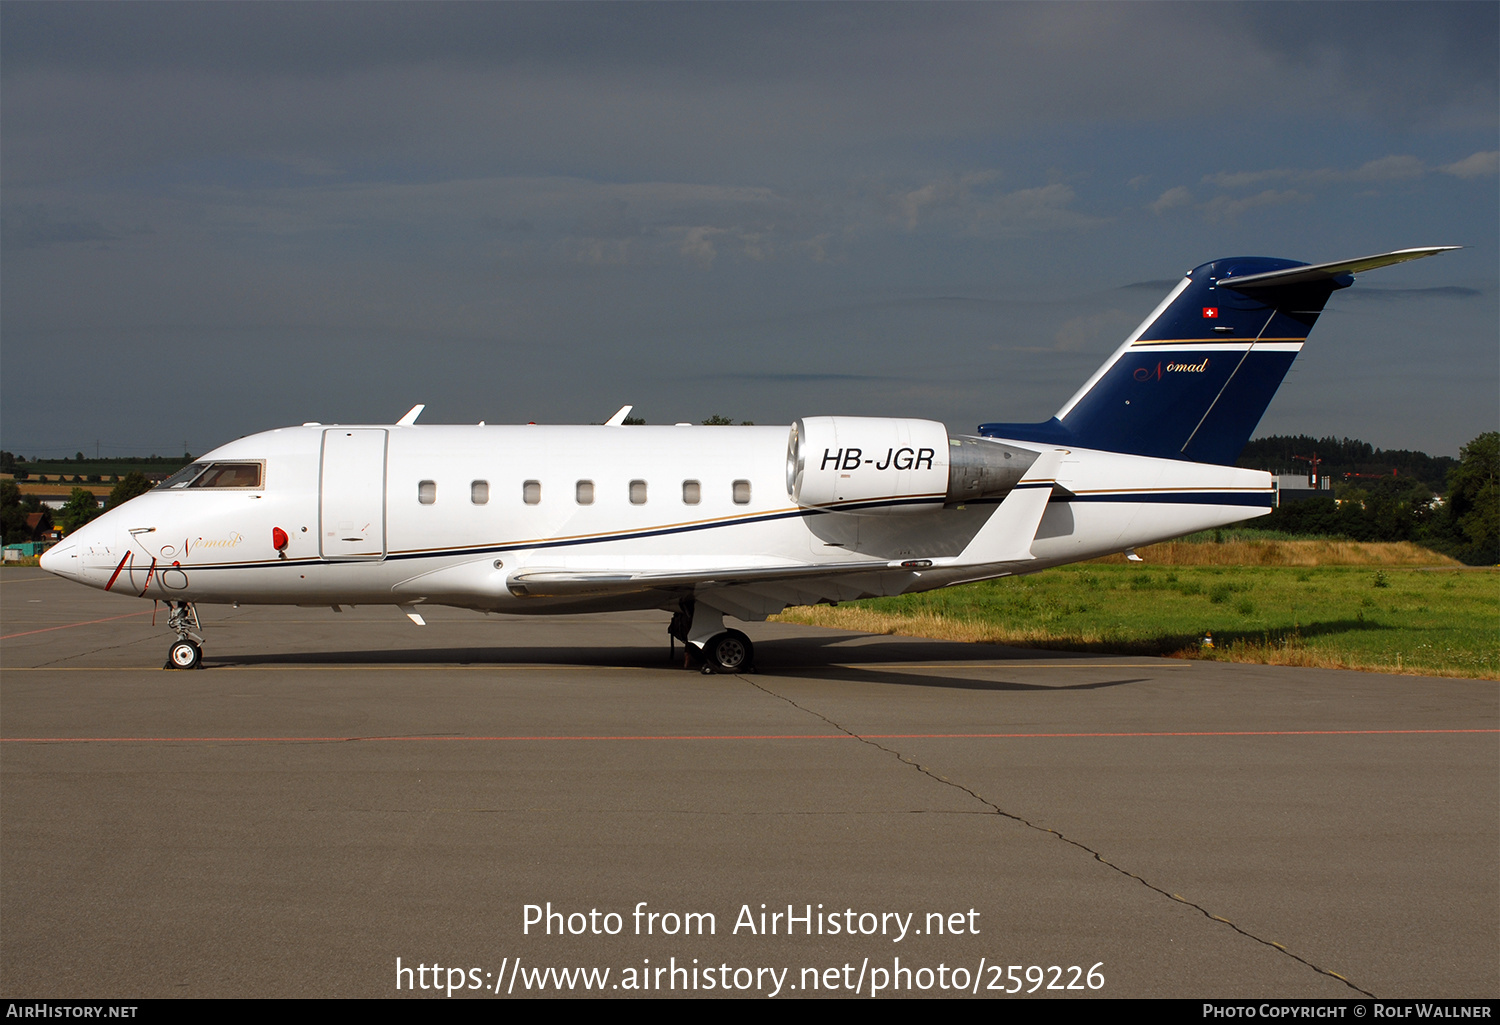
[1403,60]
[1088,331]
[33,227]
[330,88]
[479,200]
[811,377]
[1222,208]
[1384,169]
[1390,294]
[972,203]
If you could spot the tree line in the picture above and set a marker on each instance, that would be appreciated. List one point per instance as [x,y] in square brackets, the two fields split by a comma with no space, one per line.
[1462,522]
[81,507]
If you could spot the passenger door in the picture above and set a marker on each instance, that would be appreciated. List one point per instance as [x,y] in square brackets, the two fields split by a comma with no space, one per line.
[351,506]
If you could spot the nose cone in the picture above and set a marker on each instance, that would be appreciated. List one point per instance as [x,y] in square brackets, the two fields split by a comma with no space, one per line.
[63,559]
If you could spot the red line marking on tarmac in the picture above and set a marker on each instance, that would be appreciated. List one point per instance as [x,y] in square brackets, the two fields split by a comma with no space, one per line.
[68,626]
[755,736]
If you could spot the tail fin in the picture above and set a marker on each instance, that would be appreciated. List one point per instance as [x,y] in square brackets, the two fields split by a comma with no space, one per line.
[1195,378]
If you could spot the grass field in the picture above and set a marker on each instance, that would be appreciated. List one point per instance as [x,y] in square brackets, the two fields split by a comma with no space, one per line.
[1386,614]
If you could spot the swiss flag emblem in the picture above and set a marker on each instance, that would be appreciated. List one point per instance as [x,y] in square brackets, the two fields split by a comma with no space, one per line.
[1211,312]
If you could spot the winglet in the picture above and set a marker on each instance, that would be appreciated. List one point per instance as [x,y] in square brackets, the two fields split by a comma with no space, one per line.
[618,419]
[411,415]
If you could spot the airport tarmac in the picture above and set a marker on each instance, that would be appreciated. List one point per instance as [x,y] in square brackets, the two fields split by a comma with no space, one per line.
[337,791]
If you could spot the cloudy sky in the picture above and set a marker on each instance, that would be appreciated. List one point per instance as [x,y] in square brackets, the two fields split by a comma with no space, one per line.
[221,218]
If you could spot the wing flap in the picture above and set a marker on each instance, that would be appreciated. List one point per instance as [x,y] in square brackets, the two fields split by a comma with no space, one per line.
[542,582]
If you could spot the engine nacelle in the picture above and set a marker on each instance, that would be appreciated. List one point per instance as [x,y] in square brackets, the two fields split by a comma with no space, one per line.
[883,465]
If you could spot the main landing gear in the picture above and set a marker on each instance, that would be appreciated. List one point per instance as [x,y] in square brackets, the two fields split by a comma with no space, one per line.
[704,639]
[187,651]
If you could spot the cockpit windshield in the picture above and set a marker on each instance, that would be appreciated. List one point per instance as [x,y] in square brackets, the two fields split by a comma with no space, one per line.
[215,475]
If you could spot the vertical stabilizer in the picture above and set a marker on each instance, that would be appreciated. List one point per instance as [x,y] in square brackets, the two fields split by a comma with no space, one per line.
[1195,378]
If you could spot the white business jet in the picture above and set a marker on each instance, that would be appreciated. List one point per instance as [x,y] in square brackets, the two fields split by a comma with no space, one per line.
[738,522]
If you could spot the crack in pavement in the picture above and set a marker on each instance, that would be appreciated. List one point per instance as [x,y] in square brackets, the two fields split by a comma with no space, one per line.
[997,810]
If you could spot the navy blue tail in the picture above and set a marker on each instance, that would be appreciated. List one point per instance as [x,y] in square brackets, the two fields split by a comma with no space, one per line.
[1196,378]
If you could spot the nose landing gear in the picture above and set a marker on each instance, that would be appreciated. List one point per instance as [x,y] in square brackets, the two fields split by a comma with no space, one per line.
[187,651]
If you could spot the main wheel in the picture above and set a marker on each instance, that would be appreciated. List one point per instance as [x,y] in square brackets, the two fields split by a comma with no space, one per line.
[729,652]
[185,655]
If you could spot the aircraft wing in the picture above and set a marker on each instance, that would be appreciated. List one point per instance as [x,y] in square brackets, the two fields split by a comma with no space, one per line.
[747,593]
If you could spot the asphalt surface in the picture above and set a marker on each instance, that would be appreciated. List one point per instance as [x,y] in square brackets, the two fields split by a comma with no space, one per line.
[335,792]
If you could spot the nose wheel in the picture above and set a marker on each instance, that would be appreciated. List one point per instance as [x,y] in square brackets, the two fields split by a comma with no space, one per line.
[185,655]
[187,651]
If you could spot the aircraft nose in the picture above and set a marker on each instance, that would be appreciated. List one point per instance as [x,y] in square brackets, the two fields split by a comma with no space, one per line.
[63,559]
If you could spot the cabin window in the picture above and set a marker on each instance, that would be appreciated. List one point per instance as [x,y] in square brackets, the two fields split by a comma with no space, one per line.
[531,492]
[637,492]
[741,492]
[692,492]
[584,492]
[479,492]
[426,491]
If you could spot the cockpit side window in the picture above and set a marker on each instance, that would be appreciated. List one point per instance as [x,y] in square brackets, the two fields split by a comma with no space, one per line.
[230,475]
[183,477]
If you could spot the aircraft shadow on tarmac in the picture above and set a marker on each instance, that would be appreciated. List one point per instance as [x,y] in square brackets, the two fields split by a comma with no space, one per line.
[817,658]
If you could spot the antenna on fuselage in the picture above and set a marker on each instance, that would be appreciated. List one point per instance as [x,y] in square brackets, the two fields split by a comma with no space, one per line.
[411,415]
[618,420]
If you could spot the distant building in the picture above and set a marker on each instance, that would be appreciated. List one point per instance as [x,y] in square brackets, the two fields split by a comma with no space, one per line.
[1298,487]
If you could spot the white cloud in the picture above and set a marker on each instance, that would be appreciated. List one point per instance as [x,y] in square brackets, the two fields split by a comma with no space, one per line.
[950,193]
[1172,199]
[698,245]
[1476,166]
[1385,169]
[1397,167]
[1030,211]
[1222,208]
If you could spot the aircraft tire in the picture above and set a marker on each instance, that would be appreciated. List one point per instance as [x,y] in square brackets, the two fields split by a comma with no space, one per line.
[729,652]
[185,654]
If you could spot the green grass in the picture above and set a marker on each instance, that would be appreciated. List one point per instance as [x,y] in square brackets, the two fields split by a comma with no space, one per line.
[1395,619]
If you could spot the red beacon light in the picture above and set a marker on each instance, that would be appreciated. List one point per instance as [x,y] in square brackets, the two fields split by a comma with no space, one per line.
[280,540]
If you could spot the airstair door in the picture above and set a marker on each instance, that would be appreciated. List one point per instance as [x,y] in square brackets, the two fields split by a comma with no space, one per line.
[351,506]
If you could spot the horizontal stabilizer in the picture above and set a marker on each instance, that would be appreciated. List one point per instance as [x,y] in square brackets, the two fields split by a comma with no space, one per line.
[1327,271]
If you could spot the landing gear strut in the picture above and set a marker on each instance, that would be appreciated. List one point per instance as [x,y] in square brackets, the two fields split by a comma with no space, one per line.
[700,628]
[187,651]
